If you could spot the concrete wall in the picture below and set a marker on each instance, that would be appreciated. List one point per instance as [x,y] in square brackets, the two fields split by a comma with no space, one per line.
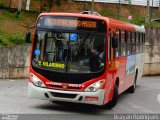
[14,61]
[152,57]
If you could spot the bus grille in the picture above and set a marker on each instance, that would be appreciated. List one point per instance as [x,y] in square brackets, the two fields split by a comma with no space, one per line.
[63,95]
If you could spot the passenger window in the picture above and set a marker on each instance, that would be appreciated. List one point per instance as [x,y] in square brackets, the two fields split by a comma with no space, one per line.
[118,50]
[133,43]
[111,52]
[128,43]
[123,44]
[141,43]
[137,42]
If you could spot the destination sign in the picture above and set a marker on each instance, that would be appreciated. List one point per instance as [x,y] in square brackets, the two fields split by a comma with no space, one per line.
[71,23]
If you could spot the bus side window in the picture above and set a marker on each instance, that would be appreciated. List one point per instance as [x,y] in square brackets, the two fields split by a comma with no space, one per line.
[128,42]
[141,42]
[118,50]
[123,44]
[133,43]
[137,42]
[111,50]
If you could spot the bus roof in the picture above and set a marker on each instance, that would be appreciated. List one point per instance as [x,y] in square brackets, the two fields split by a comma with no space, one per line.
[113,23]
[124,25]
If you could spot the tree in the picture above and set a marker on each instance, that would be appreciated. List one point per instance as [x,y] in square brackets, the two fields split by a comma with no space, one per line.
[10,2]
[70,1]
[27,4]
[19,5]
[49,4]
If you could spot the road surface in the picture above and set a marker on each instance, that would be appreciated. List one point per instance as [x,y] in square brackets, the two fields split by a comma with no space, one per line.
[14,100]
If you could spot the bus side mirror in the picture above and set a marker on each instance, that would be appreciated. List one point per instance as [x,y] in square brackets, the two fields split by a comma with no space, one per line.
[114,42]
[28,37]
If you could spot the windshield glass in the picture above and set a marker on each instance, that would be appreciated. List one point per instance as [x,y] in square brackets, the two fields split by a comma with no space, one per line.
[69,52]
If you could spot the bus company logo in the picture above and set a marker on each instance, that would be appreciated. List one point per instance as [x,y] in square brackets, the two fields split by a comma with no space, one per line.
[65,86]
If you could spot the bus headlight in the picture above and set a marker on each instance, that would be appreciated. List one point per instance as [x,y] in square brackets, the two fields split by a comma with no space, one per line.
[95,86]
[36,81]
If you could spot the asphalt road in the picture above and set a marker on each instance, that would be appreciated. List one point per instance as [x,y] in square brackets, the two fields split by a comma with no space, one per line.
[14,100]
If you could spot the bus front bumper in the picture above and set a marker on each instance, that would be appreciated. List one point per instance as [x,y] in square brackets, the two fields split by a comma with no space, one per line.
[95,98]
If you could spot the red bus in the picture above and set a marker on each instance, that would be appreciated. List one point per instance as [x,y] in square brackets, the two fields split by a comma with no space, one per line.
[84,58]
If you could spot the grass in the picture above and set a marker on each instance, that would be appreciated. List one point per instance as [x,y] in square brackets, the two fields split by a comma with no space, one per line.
[137,19]
[7,39]
[14,15]
[153,24]
[2,5]
[107,13]
[14,26]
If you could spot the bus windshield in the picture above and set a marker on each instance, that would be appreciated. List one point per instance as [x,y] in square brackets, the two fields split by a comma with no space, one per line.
[79,52]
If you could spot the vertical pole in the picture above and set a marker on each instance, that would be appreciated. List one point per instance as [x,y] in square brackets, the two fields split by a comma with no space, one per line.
[92,6]
[10,2]
[19,5]
[148,12]
[159,5]
[27,4]
[151,11]
[84,5]
[119,8]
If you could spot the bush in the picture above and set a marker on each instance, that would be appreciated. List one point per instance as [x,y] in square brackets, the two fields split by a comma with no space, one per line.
[153,24]
[11,38]
[107,13]
[15,15]
[58,2]
[17,38]
[2,5]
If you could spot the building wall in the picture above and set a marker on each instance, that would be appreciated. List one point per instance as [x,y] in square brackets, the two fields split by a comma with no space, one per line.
[133,2]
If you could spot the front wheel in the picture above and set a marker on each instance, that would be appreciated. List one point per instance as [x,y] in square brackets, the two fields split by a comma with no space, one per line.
[114,100]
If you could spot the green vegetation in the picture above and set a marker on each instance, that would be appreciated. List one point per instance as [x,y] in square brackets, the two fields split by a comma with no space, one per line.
[16,15]
[14,25]
[107,13]
[7,38]
[153,24]
[58,2]
[2,5]
[138,20]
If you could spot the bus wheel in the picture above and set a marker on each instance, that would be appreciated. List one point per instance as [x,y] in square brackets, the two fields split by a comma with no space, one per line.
[114,100]
[133,87]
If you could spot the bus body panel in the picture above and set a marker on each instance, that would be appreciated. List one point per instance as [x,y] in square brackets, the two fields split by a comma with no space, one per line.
[139,64]
[87,97]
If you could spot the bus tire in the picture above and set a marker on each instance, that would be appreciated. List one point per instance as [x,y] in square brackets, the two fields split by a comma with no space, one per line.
[114,100]
[133,87]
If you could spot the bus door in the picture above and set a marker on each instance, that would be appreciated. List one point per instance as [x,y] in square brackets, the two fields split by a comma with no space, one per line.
[116,62]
